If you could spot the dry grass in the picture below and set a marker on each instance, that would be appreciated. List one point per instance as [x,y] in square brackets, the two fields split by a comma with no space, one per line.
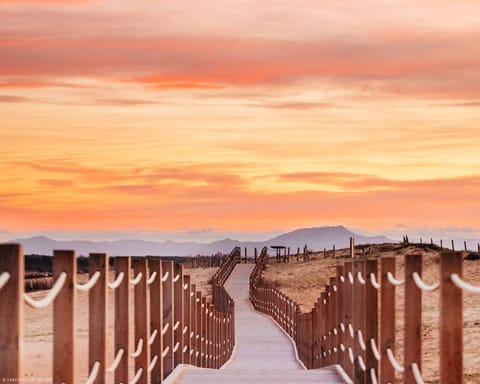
[304,281]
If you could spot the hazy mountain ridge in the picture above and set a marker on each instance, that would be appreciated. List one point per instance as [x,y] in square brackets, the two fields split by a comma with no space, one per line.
[314,238]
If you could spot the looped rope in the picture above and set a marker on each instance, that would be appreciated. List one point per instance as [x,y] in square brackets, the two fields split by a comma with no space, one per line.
[153,363]
[4,277]
[137,279]
[93,373]
[165,277]
[457,280]
[116,283]
[52,294]
[422,285]
[137,376]
[139,349]
[152,277]
[153,336]
[360,278]
[392,280]
[116,361]
[374,282]
[90,283]
[416,374]
[394,362]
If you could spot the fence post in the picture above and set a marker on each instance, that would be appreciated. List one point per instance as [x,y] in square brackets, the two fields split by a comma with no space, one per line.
[204,332]
[97,315]
[451,320]
[453,246]
[167,317]
[387,332]
[64,318]
[178,314]
[142,322]
[123,319]
[333,321]
[352,248]
[333,250]
[348,316]
[359,314]
[11,314]
[413,318]
[340,315]
[156,310]
[192,332]
[199,330]
[371,321]
[187,325]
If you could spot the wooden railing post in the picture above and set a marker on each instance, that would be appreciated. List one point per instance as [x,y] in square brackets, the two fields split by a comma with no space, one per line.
[204,332]
[168,308]
[141,319]
[340,315]
[123,319]
[178,314]
[451,320]
[199,330]
[332,319]
[64,323]
[192,332]
[413,318]
[371,322]
[359,313]
[387,331]
[352,247]
[97,315]
[348,317]
[155,266]
[11,313]
[187,325]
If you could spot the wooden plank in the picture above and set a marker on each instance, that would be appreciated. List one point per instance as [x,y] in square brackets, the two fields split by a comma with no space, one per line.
[141,319]
[11,320]
[332,319]
[64,318]
[156,319]
[387,322]
[97,315]
[204,334]
[413,318]
[451,320]
[178,314]
[193,324]
[123,318]
[168,308]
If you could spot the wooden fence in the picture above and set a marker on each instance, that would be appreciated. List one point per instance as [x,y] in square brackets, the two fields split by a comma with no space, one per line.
[353,322]
[172,323]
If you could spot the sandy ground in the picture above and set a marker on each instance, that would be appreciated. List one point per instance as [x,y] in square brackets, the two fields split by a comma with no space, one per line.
[304,281]
[39,330]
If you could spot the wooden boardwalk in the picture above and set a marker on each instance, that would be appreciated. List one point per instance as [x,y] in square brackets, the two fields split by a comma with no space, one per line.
[263,354]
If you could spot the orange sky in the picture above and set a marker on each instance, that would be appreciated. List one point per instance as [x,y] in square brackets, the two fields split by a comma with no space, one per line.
[244,116]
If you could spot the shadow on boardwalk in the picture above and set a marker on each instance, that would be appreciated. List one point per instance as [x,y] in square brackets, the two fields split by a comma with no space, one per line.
[264,353]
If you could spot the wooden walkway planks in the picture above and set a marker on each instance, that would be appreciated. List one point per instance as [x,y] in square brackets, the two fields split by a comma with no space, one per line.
[264,354]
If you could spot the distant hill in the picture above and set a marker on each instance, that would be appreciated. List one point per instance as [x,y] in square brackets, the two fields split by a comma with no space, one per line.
[314,238]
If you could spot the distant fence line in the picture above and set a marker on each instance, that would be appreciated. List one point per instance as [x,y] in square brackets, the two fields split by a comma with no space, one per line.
[353,321]
[172,322]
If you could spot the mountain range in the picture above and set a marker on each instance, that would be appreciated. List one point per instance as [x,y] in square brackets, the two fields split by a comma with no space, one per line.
[315,239]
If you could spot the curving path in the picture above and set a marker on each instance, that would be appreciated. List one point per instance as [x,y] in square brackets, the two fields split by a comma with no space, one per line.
[263,354]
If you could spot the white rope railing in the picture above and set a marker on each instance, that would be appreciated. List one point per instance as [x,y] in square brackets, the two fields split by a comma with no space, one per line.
[342,279]
[376,352]
[116,361]
[137,376]
[139,349]
[394,362]
[153,336]
[90,283]
[360,278]
[457,280]
[175,348]
[361,363]
[185,348]
[361,341]
[373,376]
[93,373]
[47,300]
[165,277]
[422,285]
[116,283]
[153,363]
[175,326]
[374,282]
[350,355]
[350,277]
[165,328]
[392,280]
[165,351]
[152,277]
[4,277]
[185,286]
[137,279]
[185,329]
[416,374]
[350,329]
[176,278]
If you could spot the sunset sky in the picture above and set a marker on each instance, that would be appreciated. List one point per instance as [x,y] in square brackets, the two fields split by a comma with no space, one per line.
[239,116]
